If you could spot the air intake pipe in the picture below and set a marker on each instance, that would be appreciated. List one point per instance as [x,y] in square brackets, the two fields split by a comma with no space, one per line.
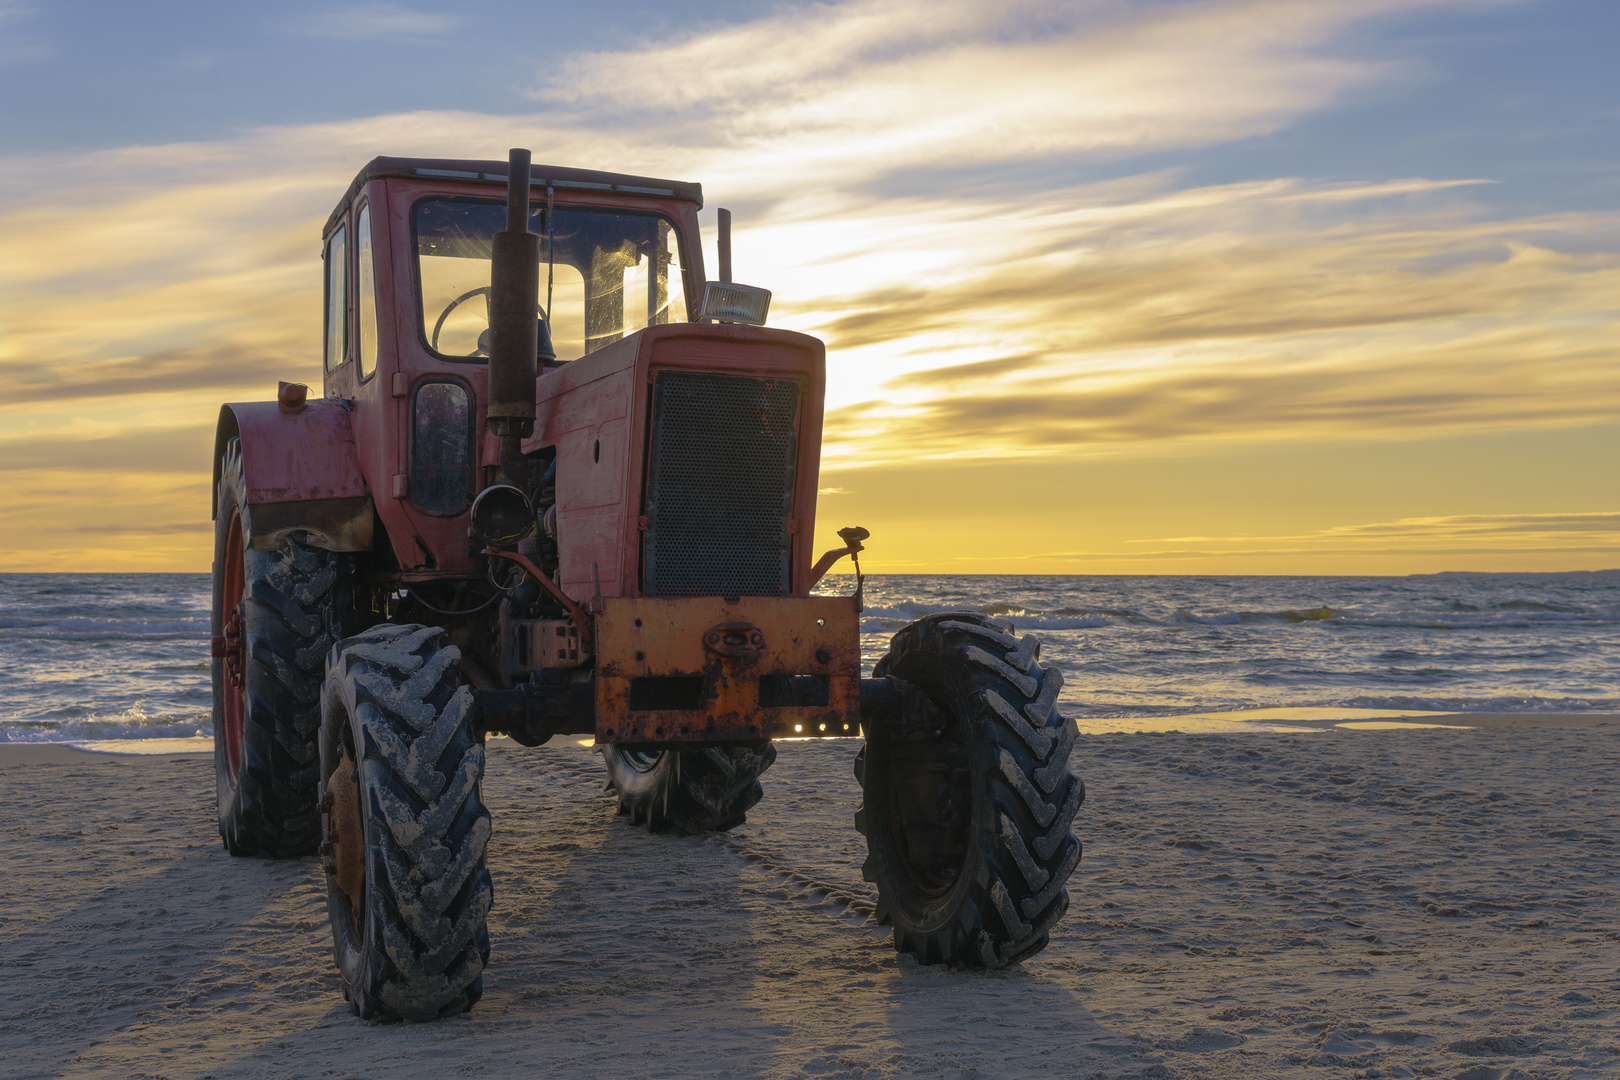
[514,289]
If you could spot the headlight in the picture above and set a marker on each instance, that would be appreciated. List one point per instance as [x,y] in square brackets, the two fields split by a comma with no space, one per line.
[502,516]
[726,302]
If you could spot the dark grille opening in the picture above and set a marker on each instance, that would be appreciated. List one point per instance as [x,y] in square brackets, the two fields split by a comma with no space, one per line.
[720,485]
[794,691]
[667,692]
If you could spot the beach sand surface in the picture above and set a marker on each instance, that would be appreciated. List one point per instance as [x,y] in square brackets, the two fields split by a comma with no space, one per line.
[1328,904]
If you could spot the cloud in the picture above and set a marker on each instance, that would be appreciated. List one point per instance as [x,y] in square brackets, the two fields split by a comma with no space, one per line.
[378,20]
[1577,528]
[1252,311]
[95,516]
[184,528]
[17,46]
[183,450]
[220,368]
[1465,535]
[845,93]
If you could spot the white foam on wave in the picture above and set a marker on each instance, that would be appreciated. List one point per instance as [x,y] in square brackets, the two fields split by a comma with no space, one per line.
[132,724]
[1030,623]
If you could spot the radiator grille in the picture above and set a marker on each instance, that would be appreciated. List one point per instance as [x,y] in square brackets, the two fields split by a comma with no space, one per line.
[720,485]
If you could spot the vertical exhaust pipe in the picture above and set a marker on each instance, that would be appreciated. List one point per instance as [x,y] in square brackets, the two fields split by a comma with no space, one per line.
[514,289]
[724,245]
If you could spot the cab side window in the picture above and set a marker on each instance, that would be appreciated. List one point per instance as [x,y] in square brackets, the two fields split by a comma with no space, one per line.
[367,299]
[337,299]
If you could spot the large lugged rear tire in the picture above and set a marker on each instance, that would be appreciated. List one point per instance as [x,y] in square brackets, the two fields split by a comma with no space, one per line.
[967,798]
[275,615]
[408,894]
[688,791]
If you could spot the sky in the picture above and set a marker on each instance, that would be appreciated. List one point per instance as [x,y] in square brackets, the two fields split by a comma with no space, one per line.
[1215,287]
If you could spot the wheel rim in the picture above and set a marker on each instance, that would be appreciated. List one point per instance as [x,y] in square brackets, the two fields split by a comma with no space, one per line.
[346,837]
[232,675]
[919,780]
[643,761]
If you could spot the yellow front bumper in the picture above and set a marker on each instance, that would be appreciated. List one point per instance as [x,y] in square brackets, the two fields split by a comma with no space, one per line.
[713,654]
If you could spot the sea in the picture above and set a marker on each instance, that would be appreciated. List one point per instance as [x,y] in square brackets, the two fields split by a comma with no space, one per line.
[120,661]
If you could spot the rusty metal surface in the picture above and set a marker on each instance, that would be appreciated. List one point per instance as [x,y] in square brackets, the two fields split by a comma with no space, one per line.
[291,396]
[552,643]
[730,644]
[333,524]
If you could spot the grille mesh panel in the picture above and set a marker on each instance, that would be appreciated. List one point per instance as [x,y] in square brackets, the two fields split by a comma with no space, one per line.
[720,485]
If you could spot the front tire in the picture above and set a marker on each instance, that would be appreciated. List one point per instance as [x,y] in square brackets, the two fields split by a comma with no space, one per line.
[967,796]
[275,614]
[408,893]
[688,791]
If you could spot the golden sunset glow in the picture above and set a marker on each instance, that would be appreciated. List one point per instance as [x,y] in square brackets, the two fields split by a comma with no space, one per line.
[1033,368]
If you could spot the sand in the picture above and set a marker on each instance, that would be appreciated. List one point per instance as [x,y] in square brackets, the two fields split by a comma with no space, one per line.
[1332,904]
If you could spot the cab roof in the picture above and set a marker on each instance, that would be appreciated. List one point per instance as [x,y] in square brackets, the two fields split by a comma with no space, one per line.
[494,172]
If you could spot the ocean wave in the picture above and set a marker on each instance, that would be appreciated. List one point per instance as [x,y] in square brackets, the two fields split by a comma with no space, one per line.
[876,619]
[82,628]
[122,726]
[1503,704]
[1033,623]
[110,657]
[886,620]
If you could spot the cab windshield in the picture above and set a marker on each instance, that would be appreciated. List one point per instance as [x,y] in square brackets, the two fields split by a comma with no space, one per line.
[603,274]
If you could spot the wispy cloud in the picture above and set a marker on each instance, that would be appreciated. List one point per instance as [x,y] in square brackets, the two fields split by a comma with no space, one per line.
[155,449]
[183,528]
[1254,311]
[1470,535]
[847,92]
[1567,528]
[222,369]
[17,45]
[380,20]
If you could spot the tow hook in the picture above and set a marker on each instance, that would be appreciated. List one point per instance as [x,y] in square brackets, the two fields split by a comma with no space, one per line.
[740,640]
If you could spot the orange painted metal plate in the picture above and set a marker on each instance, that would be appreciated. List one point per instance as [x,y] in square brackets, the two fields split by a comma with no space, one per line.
[729,645]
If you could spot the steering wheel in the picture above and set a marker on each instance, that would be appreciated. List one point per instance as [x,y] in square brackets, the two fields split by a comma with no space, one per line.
[483,339]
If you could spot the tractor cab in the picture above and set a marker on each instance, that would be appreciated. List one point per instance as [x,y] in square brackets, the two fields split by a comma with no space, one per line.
[407,254]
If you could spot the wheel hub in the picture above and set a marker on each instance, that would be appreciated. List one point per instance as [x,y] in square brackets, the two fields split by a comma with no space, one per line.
[228,647]
[928,786]
[345,846]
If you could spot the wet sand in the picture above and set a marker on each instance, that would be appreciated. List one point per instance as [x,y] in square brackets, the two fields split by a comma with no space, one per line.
[1338,903]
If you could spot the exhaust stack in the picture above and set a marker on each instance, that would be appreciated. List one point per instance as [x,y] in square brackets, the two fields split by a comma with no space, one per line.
[723,245]
[514,288]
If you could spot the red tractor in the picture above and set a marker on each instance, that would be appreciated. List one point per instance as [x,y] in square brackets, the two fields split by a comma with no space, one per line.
[560,484]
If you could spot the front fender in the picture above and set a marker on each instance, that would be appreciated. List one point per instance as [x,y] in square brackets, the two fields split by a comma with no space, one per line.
[301,473]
